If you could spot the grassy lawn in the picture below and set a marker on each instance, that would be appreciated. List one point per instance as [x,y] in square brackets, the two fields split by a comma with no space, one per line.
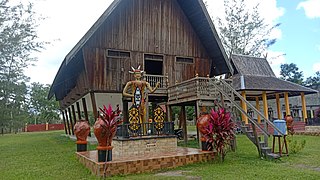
[49,155]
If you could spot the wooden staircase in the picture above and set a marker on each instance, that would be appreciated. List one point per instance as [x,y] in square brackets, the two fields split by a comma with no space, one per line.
[211,92]
[261,142]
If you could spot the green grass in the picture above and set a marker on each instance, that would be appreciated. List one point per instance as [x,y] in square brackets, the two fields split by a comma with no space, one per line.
[49,155]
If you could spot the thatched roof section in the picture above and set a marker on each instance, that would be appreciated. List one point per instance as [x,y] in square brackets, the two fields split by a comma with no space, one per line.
[258,76]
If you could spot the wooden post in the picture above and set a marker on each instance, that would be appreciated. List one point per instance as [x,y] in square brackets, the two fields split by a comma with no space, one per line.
[74,114]
[64,122]
[70,117]
[304,107]
[183,119]
[286,101]
[265,104]
[85,110]
[278,105]
[67,120]
[244,107]
[197,109]
[125,111]
[78,110]
[169,113]
[94,105]
[258,107]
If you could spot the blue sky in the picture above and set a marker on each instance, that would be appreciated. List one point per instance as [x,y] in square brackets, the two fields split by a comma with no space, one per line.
[66,23]
[300,36]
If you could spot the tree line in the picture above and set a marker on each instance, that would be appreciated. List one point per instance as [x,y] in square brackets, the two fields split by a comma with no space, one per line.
[21,102]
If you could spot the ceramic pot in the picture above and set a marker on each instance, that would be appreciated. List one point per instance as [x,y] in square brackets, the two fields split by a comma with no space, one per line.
[100,131]
[81,130]
[202,123]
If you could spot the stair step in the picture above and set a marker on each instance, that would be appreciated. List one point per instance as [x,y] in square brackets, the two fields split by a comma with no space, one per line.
[249,131]
[262,144]
[273,156]
[265,150]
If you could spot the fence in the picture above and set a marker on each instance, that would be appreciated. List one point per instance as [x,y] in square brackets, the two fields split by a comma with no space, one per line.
[43,127]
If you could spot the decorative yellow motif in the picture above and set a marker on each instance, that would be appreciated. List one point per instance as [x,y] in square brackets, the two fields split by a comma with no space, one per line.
[159,118]
[134,120]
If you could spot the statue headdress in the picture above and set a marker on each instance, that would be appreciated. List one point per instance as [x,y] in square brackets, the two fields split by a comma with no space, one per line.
[136,70]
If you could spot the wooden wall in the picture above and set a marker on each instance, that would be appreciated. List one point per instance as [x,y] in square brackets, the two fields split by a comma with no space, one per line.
[144,26]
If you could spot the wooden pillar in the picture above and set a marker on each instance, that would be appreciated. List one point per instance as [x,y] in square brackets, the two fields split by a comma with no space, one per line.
[278,105]
[265,104]
[64,122]
[125,111]
[169,113]
[183,119]
[286,102]
[258,107]
[94,105]
[67,120]
[244,107]
[197,112]
[74,114]
[304,107]
[78,110]
[70,117]
[85,110]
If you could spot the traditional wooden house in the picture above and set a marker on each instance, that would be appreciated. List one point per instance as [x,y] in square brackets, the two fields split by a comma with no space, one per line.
[177,45]
[173,40]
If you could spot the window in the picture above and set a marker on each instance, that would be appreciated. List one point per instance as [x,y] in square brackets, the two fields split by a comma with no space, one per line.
[153,57]
[115,53]
[184,60]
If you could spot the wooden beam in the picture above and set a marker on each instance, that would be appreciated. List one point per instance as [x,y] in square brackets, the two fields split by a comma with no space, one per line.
[286,102]
[69,113]
[304,107]
[78,110]
[94,105]
[278,105]
[74,114]
[244,107]
[64,122]
[197,109]
[265,104]
[258,107]
[85,110]
[183,119]
[67,120]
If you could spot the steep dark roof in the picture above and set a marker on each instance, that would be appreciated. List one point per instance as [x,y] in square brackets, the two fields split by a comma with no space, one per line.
[258,76]
[199,19]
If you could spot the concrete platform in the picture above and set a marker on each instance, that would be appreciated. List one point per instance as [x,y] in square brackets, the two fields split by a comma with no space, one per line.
[142,163]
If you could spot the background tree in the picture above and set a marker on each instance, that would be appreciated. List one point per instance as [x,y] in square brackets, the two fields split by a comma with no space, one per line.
[290,72]
[313,80]
[42,109]
[18,39]
[243,30]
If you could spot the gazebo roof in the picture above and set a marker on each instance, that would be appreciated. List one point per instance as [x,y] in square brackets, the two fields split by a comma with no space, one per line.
[255,75]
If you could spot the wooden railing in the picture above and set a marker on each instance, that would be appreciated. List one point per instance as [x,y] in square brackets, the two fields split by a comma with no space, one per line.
[195,88]
[153,79]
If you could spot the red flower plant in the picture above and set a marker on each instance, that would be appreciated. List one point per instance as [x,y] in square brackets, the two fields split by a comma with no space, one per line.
[108,121]
[220,131]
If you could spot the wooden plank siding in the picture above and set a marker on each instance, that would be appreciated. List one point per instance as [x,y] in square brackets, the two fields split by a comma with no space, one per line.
[139,27]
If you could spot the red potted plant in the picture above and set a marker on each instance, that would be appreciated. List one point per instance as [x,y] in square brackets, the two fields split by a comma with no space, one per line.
[220,131]
[105,129]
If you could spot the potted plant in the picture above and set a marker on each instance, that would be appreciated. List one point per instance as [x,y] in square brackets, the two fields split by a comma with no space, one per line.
[219,131]
[105,129]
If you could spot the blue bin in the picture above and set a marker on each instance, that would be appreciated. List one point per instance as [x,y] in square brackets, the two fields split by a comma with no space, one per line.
[281,125]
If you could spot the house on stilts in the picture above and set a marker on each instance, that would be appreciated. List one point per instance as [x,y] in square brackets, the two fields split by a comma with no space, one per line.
[177,45]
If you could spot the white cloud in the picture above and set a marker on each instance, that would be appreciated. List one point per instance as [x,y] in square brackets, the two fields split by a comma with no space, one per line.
[311,8]
[316,66]
[67,21]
